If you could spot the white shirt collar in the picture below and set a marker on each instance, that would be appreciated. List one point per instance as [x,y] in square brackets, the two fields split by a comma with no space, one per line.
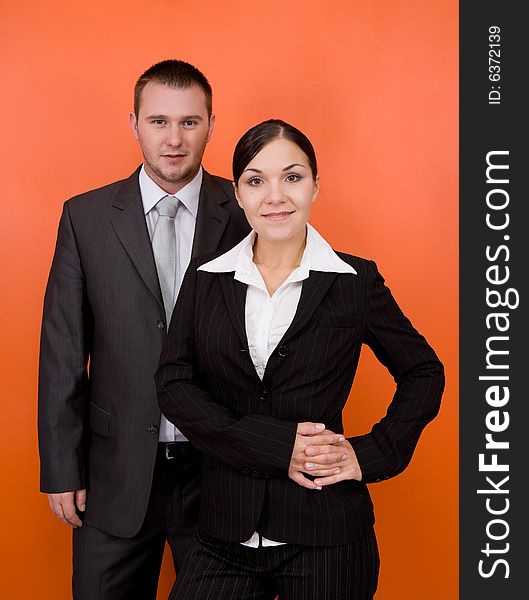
[151,192]
[317,256]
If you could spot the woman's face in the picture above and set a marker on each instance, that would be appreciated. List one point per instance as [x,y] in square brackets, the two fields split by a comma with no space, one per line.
[276,191]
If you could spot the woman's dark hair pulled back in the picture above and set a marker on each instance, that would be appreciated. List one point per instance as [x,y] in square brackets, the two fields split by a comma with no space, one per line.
[259,136]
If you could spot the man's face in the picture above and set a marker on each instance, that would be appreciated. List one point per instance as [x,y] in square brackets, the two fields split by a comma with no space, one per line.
[172,128]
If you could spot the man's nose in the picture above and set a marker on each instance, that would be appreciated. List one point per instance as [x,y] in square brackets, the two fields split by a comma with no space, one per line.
[174,135]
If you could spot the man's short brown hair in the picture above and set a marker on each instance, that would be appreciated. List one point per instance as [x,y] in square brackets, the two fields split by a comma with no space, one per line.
[176,74]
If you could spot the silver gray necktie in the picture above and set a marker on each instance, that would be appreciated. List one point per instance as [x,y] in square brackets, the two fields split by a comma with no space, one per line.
[164,248]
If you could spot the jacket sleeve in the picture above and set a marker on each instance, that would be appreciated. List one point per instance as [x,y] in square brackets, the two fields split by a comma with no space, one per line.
[418,374]
[63,376]
[257,443]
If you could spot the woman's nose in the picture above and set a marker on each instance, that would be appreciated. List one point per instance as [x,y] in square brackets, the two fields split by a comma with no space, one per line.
[276,194]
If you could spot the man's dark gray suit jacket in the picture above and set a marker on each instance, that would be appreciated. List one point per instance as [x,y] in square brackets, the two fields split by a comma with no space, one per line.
[102,332]
[246,427]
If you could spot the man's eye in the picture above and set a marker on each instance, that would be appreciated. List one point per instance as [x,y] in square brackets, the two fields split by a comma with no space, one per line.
[159,122]
[190,123]
[293,177]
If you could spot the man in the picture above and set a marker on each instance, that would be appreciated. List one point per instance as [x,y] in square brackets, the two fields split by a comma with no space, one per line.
[113,467]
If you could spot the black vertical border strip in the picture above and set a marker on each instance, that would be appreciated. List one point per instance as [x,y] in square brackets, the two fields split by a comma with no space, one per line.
[485,128]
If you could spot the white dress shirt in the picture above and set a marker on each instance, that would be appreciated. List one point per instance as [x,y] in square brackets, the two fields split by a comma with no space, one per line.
[268,317]
[185,220]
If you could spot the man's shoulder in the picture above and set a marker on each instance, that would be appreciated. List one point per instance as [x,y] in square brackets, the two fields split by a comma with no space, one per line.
[95,198]
[220,190]
[218,185]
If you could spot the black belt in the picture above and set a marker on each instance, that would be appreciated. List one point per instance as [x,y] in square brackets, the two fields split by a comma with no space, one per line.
[172,450]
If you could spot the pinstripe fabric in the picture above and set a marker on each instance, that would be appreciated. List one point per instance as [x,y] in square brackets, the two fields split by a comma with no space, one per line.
[216,570]
[246,427]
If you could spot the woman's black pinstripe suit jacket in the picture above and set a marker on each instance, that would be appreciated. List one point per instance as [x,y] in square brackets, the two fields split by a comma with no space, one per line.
[245,427]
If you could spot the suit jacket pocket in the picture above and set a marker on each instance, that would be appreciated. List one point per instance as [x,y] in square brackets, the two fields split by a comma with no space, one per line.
[99,420]
[340,321]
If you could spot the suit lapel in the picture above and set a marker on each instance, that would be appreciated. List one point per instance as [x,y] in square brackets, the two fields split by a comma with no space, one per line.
[212,217]
[235,297]
[312,293]
[128,220]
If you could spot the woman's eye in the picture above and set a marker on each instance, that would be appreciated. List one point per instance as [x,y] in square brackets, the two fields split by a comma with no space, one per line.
[254,181]
[293,177]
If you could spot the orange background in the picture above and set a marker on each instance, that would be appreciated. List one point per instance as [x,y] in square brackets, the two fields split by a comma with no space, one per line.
[373,83]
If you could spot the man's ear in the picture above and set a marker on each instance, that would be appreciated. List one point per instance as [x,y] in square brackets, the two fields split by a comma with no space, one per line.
[211,126]
[133,122]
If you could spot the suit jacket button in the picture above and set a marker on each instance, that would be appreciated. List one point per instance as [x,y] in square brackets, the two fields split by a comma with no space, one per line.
[264,396]
[246,471]
[152,429]
[267,475]
[282,351]
[160,324]
[255,473]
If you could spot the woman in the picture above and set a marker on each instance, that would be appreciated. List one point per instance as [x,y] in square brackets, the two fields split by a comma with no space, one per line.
[260,358]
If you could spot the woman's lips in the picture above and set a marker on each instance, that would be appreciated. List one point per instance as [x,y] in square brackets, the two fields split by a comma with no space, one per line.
[277,216]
